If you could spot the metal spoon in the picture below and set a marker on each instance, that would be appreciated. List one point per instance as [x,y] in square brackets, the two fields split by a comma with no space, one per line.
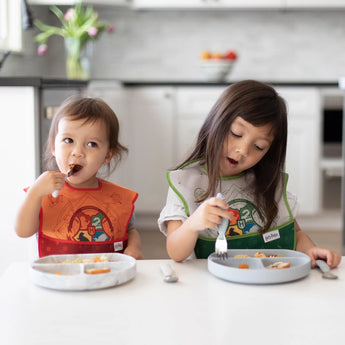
[326,271]
[73,168]
[169,275]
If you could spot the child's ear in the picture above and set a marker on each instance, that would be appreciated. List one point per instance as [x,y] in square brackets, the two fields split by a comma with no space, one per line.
[109,156]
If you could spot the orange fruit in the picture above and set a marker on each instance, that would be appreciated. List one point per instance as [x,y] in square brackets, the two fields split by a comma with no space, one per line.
[217,55]
[205,55]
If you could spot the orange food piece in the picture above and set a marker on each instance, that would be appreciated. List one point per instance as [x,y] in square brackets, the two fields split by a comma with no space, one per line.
[259,255]
[58,273]
[97,259]
[97,270]
[217,56]
[243,266]
[205,55]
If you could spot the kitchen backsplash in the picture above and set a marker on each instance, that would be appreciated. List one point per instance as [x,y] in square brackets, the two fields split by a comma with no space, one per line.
[165,45]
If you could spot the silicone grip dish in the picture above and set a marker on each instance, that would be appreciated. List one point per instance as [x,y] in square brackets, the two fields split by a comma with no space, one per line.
[55,273]
[258,271]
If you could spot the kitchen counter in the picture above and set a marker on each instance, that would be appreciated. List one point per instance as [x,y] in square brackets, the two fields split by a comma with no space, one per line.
[42,82]
[129,83]
[56,82]
[198,309]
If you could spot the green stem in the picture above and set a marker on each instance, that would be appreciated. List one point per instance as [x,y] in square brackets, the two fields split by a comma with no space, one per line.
[74,64]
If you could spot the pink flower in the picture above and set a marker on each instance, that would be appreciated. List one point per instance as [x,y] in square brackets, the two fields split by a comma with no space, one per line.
[69,14]
[92,31]
[42,49]
[111,29]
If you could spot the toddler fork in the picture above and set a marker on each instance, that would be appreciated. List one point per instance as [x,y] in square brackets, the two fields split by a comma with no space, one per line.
[221,245]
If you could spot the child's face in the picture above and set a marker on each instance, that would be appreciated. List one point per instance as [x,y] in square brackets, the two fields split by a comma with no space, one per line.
[85,144]
[244,146]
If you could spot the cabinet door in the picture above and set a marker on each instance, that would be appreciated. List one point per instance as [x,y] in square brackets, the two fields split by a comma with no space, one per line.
[117,98]
[304,146]
[302,165]
[207,4]
[151,145]
[73,2]
[20,165]
[322,4]
[192,105]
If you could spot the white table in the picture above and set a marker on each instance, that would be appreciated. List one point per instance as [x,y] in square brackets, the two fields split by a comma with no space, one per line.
[199,309]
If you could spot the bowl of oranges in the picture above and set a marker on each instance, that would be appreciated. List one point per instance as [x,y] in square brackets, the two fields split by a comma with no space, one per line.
[215,66]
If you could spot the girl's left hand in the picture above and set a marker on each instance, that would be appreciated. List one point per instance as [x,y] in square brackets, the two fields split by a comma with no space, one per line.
[332,259]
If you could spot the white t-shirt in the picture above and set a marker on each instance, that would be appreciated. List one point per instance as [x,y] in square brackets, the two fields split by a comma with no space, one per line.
[185,183]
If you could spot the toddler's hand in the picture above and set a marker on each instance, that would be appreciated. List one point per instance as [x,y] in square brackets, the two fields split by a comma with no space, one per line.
[48,182]
[134,252]
[209,214]
[332,259]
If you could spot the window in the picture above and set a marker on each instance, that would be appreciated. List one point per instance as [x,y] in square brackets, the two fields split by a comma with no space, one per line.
[11,25]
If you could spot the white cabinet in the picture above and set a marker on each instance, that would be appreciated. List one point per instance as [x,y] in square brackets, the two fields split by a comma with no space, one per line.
[109,2]
[207,4]
[151,116]
[303,155]
[321,4]
[73,2]
[239,4]
[192,106]
[19,162]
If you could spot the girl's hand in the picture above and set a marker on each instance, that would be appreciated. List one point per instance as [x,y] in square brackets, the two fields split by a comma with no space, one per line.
[208,215]
[48,182]
[134,244]
[134,252]
[27,220]
[332,259]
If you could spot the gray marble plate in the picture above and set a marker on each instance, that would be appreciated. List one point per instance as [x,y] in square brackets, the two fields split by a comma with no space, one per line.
[64,272]
[258,271]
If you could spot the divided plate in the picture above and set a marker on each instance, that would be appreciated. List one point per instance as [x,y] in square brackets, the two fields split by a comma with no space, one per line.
[55,273]
[258,273]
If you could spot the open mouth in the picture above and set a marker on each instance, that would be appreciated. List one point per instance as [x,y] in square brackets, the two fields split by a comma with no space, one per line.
[232,161]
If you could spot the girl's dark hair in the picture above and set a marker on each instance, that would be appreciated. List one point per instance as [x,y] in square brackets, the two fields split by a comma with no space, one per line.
[91,110]
[258,104]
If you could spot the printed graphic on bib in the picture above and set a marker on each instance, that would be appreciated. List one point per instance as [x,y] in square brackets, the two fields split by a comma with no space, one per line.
[89,224]
[246,218]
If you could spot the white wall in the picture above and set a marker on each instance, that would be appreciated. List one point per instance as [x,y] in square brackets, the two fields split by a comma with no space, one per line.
[159,45]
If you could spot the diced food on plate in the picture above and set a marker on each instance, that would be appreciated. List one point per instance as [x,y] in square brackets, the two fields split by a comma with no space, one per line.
[97,270]
[279,265]
[259,255]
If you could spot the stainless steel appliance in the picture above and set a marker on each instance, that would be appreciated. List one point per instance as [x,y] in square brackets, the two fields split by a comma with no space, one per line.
[51,94]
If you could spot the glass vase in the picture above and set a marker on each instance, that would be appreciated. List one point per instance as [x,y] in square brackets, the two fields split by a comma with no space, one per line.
[78,58]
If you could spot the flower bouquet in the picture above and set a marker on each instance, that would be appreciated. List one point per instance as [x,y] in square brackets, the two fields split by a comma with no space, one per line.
[79,27]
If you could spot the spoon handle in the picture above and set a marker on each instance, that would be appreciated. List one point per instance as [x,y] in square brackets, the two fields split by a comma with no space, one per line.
[325,269]
[323,266]
[169,275]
